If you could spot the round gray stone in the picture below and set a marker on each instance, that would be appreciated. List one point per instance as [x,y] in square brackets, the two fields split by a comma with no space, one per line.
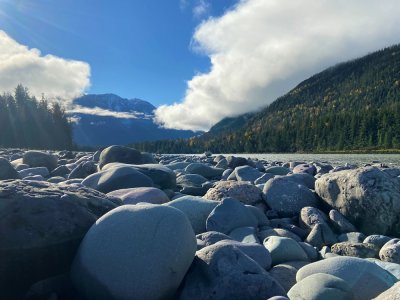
[155,238]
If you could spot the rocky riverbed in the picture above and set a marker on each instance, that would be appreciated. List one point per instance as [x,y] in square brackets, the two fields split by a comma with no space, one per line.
[120,224]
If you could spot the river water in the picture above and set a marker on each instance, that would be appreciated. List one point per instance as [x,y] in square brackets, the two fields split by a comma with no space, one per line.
[333,159]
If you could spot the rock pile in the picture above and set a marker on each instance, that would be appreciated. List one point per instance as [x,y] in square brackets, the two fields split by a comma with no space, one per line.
[121,224]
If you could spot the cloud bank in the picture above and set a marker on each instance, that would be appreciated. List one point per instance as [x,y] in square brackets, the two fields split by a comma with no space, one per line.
[53,76]
[260,49]
[78,109]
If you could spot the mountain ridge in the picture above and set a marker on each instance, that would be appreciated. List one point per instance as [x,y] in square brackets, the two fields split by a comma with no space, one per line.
[119,121]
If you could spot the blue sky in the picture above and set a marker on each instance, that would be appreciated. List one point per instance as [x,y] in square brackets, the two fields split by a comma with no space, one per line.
[198,61]
[134,48]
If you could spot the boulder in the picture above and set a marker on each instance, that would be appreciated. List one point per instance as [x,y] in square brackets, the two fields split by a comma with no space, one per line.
[228,215]
[377,240]
[277,170]
[209,238]
[83,170]
[234,162]
[305,168]
[7,171]
[340,223]
[204,170]
[247,173]
[162,177]
[117,178]
[195,180]
[367,197]
[355,249]
[40,159]
[141,194]
[321,286]
[41,226]
[196,209]
[365,279]
[131,238]
[223,271]
[288,197]
[390,252]
[284,249]
[42,171]
[321,235]
[119,154]
[309,216]
[244,192]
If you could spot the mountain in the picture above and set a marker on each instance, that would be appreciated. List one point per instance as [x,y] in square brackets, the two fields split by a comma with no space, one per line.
[101,120]
[351,106]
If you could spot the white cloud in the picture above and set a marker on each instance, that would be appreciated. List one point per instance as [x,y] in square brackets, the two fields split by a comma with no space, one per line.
[77,109]
[261,48]
[201,8]
[54,76]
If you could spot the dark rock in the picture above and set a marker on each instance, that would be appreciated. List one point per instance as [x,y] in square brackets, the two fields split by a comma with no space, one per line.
[40,159]
[41,226]
[119,154]
[7,171]
[225,272]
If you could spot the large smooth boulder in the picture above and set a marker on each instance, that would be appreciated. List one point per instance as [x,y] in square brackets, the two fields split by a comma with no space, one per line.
[204,170]
[162,177]
[367,197]
[284,249]
[135,252]
[119,154]
[7,171]
[41,226]
[228,215]
[247,173]
[40,159]
[223,271]
[365,278]
[141,194]
[196,209]
[321,286]
[244,192]
[288,197]
[117,178]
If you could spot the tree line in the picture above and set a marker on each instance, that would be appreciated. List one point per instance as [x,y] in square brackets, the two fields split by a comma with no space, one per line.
[26,122]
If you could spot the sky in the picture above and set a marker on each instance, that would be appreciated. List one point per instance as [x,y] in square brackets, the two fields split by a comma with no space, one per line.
[198,61]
